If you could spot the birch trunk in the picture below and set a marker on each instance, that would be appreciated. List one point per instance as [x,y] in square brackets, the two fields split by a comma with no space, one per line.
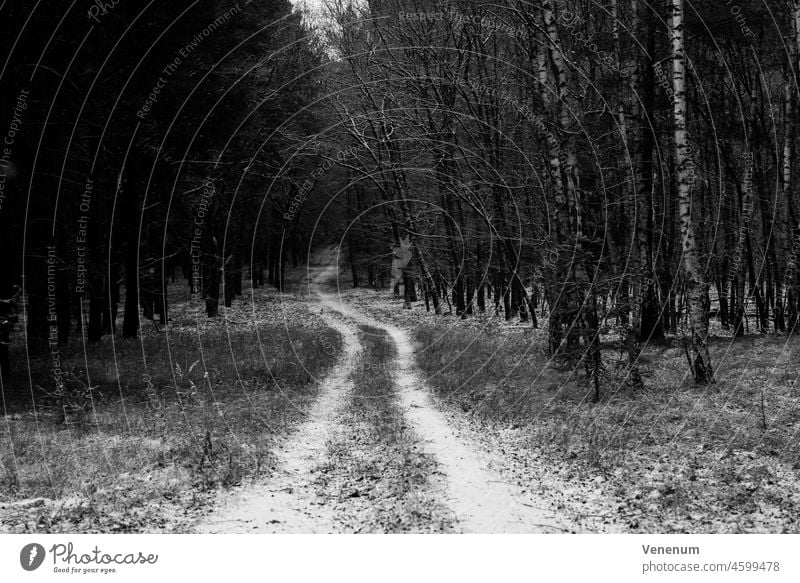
[790,300]
[575,308]
[696,284]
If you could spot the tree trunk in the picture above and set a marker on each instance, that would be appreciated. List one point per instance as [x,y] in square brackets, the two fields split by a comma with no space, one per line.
[97,300]
[130,322]
[696,284]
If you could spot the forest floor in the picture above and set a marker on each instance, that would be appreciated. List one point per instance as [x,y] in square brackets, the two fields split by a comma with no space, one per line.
[331,409]
[169,419]
[670,456]
[512,444]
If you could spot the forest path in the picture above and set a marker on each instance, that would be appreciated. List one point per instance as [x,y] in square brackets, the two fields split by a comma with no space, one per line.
[288,502]
[480,499]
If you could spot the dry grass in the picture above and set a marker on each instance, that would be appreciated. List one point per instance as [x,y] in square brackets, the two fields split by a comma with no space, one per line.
[167,420]
[677,456]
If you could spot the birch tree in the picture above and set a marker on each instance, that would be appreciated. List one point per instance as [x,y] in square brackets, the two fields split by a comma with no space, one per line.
[693,271]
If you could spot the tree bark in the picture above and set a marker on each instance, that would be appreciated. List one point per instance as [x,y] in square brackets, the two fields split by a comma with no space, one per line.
[696,284]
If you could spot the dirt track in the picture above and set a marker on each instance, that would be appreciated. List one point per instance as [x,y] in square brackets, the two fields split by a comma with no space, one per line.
[288,502]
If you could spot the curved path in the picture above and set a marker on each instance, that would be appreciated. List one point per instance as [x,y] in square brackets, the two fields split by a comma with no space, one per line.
[287,502]
[480,499]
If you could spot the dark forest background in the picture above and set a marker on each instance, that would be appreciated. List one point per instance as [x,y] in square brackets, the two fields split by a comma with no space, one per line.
[614,169]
